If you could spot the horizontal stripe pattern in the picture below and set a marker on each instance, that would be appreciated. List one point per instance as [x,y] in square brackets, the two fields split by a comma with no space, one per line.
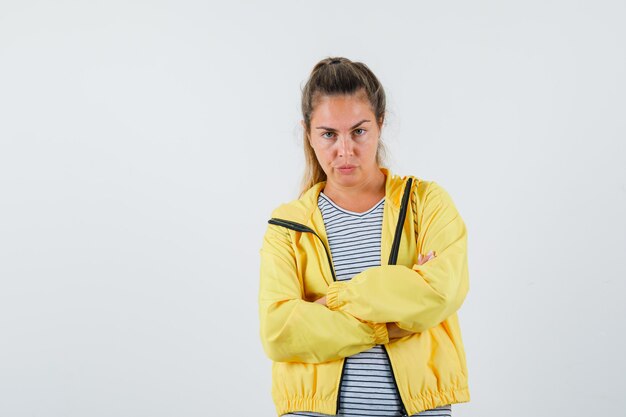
[367,387]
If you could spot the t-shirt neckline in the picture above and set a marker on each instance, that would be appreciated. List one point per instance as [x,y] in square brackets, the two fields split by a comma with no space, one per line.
[354,213]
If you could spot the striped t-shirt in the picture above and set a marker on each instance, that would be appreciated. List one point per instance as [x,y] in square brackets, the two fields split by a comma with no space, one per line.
[367,387]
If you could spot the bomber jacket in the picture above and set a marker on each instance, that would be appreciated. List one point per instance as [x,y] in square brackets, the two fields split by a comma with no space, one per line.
[308,341]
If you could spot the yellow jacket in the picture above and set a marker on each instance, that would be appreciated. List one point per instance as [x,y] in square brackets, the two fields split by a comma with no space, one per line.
[308,342]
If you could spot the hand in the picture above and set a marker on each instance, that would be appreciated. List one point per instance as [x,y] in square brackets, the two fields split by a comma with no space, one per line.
[421,259]
[321,301]
[394,331]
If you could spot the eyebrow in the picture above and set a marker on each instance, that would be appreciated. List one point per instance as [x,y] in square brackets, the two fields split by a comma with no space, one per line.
[334,130]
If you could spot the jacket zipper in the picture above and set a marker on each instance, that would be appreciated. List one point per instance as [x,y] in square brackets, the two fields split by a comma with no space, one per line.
[393,257]
[302,228]
[395,248]
[393,376]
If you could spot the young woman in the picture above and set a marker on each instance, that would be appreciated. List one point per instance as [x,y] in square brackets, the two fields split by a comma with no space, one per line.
[362,275]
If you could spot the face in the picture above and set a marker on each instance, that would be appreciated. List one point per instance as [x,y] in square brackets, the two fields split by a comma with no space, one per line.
[344,135]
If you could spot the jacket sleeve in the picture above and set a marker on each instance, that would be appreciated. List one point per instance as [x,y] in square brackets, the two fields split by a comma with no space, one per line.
[420,297]
[295,330]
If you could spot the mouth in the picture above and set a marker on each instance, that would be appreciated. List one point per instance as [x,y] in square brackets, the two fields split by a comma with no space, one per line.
[346,169]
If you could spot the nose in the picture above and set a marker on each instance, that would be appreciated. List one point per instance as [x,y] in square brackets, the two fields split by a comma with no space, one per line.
[345,147]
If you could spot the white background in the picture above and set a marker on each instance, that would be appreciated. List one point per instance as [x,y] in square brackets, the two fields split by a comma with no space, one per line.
[143,146]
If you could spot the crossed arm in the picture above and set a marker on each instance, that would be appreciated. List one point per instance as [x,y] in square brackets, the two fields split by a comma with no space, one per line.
[376,305]
[393,330]
[295,330]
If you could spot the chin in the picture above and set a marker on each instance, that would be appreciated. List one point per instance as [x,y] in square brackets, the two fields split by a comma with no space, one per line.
[346,179]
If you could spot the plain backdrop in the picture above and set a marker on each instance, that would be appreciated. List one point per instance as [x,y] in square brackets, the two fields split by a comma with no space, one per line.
[144,144]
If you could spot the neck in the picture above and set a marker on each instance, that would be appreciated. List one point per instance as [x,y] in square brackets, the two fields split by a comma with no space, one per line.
[371,186]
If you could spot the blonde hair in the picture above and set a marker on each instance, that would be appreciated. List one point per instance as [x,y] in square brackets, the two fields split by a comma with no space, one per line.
[337,76]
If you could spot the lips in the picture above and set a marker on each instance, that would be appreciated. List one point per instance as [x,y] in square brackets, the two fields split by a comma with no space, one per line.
[346,168]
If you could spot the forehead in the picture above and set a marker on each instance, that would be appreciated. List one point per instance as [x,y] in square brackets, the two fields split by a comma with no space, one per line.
[339,110]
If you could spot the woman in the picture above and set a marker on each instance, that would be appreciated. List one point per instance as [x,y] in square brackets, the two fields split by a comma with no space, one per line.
[361,277]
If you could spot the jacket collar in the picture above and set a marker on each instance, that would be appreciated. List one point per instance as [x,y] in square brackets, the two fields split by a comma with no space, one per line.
[306,212]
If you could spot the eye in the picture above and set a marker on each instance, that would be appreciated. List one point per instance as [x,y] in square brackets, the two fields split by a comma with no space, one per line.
[328,133]
[360,131]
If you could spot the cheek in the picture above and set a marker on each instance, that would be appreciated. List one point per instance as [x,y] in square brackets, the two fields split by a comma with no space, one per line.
[368,145]
[327,153]
[323,147]
[323,151]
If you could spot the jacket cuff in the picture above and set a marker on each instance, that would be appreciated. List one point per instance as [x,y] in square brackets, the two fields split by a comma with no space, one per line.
[332,295]
[381,336]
